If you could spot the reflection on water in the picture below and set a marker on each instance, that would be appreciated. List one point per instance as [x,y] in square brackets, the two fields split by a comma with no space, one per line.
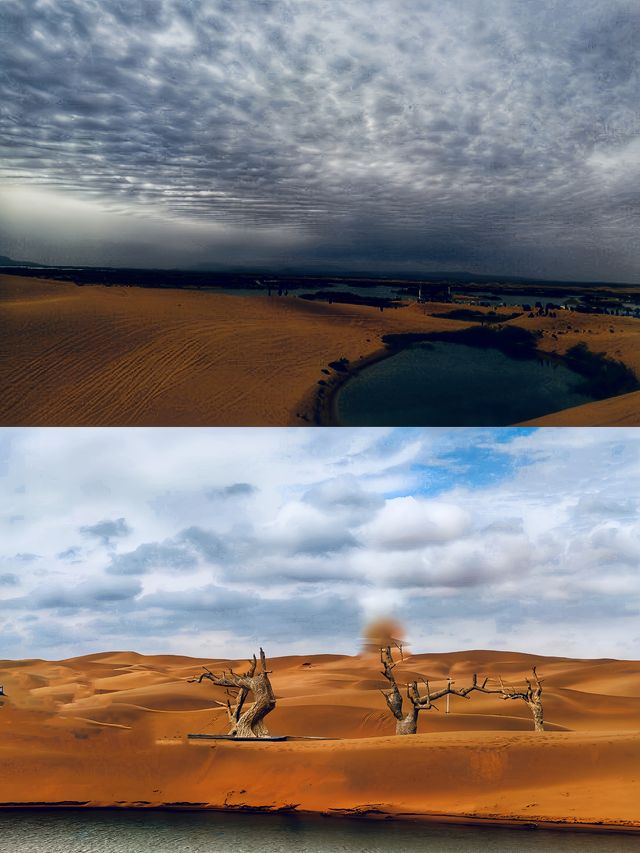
[447,384]
[90,831]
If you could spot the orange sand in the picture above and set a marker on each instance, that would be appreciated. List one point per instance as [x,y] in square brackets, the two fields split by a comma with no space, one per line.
[112,356]
[110,729]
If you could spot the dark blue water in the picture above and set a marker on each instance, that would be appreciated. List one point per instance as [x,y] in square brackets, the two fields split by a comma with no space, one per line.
[376,290]
[392,291]
[91,831]
[447,384]
[524,298]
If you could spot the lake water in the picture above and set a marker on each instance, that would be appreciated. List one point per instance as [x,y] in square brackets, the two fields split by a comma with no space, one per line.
[524,298]
[377,290]
[392,292]
[447,384]
[93,831]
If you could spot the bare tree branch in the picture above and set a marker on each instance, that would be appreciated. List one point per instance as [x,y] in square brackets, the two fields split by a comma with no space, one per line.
[532,696]
[408,723]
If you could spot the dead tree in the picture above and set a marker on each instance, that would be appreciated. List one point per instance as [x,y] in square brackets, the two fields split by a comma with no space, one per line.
[407,724]
[249,723]
[532,696]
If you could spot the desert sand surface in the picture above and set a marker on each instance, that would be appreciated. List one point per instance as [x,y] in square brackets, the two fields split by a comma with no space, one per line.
[110,730]
[623,410]
[128,356]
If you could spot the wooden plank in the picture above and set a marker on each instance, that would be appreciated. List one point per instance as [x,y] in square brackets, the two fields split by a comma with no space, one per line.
[231,737]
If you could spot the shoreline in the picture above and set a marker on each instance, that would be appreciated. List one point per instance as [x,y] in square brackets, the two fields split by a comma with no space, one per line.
[320,409]
[525,824]
[318,406]
[188,358]
[75,746]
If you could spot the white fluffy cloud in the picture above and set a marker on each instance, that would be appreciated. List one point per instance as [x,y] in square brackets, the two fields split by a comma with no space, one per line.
[408,523]
[152,539]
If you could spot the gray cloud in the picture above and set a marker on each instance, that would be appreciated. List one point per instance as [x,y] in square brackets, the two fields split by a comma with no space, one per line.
[251,616]
[209,545]
[472,538]
[107,530]
[492,135]
[91,593]
[72,553]
[151,556]
[345,500]
[235,490]
[181,552]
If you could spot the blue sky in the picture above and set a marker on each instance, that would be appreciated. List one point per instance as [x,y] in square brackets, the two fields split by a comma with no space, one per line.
[213,541]
[498,136]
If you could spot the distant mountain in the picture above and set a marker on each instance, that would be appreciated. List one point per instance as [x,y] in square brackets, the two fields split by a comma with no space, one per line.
[198,274]
[9,262]
[449,276]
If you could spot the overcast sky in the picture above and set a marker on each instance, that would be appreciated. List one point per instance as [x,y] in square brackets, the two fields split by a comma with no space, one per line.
[212,542]
[489,135]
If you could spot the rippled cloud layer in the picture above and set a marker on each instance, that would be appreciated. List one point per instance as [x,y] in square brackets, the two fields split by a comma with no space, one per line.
[495,135]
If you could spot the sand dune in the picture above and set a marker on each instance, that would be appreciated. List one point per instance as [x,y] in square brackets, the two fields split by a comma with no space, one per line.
[111,356]
[110,729]
[623,410]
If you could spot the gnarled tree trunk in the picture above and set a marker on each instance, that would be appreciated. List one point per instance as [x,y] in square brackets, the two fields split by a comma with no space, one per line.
[249,723]
[538,718]
[407,724]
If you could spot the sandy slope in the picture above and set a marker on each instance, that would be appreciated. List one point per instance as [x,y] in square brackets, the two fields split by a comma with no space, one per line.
[618,338]
[111,729]
[623,410]
[129,356]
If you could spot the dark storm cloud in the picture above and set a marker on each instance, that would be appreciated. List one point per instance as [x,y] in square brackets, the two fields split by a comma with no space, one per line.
[488,135]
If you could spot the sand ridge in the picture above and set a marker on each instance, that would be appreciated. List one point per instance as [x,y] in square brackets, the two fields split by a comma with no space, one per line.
[125,356]
[110,729]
